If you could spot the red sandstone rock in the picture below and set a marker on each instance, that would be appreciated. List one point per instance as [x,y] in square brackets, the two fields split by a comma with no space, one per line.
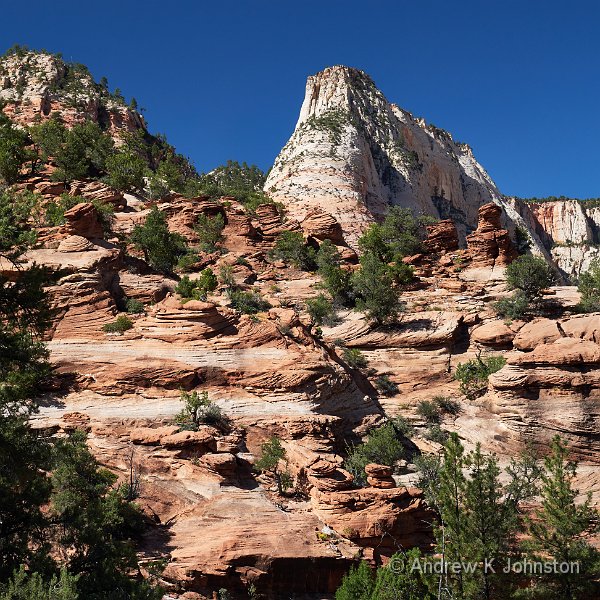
[101,192]
[83,220]
[203,438]
[75,243]
[321,225]
[442,237]
[151,435]
[489,244]
[493,333]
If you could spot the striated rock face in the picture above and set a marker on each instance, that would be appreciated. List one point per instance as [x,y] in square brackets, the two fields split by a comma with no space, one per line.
[33,85]
[96,190]
[442,237]
[490,245]
[353,154]
[174,321]
[83,220]
[552,384]
[568,229]
[322,226]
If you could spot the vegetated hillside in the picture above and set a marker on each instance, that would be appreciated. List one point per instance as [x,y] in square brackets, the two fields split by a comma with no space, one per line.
[268,398]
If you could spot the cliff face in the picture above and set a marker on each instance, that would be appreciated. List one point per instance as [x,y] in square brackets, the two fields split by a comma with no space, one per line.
[34,85]
[569,229]
[353,154]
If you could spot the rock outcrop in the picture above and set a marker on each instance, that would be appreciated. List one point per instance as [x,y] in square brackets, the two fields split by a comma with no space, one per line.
[552,384]
[353,154]
[37,84]
[83,220]
[490,245]
[442,237]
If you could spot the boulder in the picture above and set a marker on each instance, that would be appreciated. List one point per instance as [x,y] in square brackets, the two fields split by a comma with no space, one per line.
[380,476]
[442,237]
[539,331]
[151,436]
[493,333]
[83,220]
[75,243]
[321,225]
[204,438]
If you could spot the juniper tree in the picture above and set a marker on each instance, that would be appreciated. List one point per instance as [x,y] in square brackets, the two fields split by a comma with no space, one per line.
[373,285]
[560,530]
[23,318]
[13,150]
[161,247]
[335,279]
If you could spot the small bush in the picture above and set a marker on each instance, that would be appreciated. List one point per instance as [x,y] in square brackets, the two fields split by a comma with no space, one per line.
[187,261]
[197,289]
[272,453]
[162,249]
[436,434]
[248,303]
[291,248]
[373,286]
[336,281]
[210,231]
[473,375]
[513,307]
[402,427]
[447,405]
[321,310]
[383,446]
[125,171]
[185,288]
[198,409]
[530,274]
[134,306]
[386,386]
[429,411]
[206,283]
[354,358]
[589,288]
[226,276]
[120,325]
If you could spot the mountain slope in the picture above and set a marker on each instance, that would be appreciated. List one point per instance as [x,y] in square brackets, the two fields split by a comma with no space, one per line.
[34,85]
[354,154]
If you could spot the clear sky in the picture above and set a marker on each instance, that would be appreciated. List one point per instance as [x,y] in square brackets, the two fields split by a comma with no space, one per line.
[518,80]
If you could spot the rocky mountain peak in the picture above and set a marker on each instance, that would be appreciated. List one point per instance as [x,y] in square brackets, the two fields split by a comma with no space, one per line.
[354,154]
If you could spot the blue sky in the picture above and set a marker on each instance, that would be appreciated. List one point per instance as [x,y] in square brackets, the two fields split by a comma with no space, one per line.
[519,81]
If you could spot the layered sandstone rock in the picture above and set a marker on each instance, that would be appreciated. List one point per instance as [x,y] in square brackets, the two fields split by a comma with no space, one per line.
[397,516]
[322,226]
[83,220]
[98,191]
[442,237]
[552,384]
[175,321]
[490,245]
[75,243]
[380,476]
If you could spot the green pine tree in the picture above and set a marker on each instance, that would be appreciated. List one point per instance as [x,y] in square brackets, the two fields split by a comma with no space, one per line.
[560,529]
[162,248]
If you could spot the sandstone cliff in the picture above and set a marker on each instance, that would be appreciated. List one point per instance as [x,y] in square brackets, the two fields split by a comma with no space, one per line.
[353,154]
